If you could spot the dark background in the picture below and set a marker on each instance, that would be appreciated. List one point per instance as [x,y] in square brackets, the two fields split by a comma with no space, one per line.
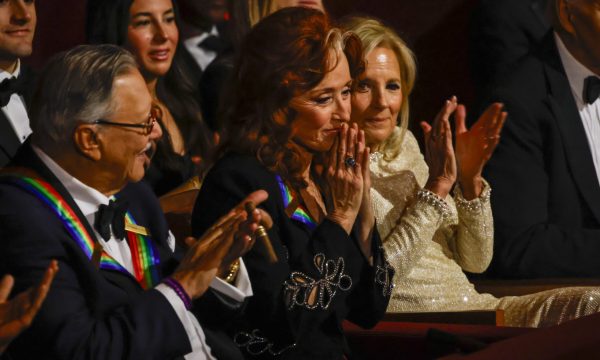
[436,30]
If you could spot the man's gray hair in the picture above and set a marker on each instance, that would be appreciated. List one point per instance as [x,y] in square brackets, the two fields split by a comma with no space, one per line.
[76,87]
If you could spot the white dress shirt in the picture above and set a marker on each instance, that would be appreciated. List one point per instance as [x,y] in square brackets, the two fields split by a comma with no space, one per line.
[15,109]
[88,200]
[202,56]
[589,113]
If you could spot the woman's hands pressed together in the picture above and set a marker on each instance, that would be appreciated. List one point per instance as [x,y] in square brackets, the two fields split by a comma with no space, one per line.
[349,181]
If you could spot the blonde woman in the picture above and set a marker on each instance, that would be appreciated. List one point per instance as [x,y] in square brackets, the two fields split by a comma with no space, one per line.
[431,234]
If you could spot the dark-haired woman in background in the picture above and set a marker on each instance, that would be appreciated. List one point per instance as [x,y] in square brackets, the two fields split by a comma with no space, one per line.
[288,134]
[148,28]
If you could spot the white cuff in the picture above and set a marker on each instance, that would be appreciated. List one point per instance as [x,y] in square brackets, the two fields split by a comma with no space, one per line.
[242,288]
[200,350]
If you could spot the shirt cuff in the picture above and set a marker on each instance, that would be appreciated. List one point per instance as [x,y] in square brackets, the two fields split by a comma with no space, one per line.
[240,290]
[184,316]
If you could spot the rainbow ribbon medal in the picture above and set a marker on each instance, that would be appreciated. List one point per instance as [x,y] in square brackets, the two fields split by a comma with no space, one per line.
[300,214]
[144,255]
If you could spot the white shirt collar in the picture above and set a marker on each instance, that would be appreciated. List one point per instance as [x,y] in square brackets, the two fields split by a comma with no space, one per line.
[576,71]
[87,198]
[6,74]
[195,40]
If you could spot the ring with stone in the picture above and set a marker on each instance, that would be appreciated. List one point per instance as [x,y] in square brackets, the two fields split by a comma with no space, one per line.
[350,162]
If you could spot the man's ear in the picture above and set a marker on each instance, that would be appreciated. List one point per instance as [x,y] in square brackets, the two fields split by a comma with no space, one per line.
[564,16]
[87,141]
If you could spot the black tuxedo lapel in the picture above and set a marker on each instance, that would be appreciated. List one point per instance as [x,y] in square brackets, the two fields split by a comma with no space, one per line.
[577,149]
[9,142]
[29,78]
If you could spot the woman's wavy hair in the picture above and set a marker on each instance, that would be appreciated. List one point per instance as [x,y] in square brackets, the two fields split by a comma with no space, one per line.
[373,34]
[107,23]
[284,55]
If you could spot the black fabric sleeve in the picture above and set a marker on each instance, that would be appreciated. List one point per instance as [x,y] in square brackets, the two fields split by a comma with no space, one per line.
[527,242]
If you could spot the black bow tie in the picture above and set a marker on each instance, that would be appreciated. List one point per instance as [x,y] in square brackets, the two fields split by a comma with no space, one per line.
[111,214]
[213,43]
[9,86]
[591,89]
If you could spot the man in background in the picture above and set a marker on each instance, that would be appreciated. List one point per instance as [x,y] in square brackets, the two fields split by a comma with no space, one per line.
[17,28]
[201,29]
[545,172]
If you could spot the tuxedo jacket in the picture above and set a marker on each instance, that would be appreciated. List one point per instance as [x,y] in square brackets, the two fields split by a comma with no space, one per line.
[321,276]
[501,33]
[9,142]
[90,313]
[545,197]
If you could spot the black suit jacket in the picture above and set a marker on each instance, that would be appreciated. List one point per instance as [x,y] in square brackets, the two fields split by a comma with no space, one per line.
[89,313]
[501,33]
[273,323]
[9,142]
[546,197]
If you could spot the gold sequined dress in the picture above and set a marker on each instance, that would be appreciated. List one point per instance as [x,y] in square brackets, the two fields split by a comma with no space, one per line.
[430,241]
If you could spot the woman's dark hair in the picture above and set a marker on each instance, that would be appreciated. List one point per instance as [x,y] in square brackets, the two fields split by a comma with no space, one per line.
[108,21]
[284,55]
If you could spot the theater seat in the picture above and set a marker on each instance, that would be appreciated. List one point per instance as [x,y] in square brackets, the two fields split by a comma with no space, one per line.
[575,339]
[474,317]
[406,340]
[178,205]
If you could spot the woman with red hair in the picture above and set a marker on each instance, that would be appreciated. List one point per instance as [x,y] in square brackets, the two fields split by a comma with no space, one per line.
[288,133]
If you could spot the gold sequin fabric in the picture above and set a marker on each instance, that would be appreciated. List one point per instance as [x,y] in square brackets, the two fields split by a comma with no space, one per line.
[431,243]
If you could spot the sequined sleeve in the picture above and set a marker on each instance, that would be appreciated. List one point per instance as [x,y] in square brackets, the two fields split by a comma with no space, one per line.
[473,242]
[406,243]
[407,227]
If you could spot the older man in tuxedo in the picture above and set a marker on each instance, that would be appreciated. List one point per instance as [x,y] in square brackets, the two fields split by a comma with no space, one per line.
[17,27]
[124,291]
[545,172]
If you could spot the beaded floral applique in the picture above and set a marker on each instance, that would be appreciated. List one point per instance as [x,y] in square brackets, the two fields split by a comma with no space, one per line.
[256,344]
[383,276]
[302,290]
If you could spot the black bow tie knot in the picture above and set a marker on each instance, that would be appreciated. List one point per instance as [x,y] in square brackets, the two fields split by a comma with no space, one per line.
[113,215]
[591,89]
[10,86]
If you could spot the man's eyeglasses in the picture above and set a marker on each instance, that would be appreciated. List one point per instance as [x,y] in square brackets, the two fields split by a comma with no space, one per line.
[155,115]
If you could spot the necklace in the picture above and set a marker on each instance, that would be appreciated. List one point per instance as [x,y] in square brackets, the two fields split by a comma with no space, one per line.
[375,156]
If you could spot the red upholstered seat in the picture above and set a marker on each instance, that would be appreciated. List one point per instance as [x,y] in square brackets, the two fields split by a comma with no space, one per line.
[405,340]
